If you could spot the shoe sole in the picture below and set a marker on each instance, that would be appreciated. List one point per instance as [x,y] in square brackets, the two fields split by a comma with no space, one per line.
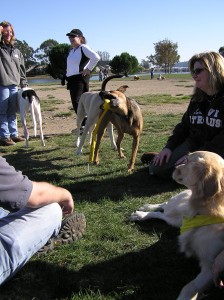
[72,229]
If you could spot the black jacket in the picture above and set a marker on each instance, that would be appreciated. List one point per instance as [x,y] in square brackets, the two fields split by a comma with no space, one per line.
[202,126]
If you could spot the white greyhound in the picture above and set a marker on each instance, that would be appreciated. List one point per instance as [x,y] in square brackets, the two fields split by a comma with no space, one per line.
[27,98]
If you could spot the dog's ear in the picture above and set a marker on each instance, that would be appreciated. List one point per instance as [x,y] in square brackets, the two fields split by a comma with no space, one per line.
[106,95]
[211,181]
[122,88]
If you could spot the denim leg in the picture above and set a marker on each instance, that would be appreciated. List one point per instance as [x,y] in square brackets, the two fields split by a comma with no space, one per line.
[3,212]
[4,100]
[23,233]
[12,108]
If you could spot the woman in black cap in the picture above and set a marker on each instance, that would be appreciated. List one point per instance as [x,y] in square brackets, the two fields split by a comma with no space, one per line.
[80,62]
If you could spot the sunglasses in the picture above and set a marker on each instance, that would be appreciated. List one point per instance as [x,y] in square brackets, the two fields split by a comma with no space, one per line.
[73,36]
[197,71]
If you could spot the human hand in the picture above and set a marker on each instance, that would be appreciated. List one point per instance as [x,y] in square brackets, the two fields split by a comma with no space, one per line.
[1,29]
[161,157]
[218,270]
[85,72]
[67,206]
[181,160]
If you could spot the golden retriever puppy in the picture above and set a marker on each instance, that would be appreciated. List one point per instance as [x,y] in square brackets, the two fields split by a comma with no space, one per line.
[200,213]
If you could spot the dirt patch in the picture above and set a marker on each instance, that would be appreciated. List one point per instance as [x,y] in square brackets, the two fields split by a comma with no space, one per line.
[54,123]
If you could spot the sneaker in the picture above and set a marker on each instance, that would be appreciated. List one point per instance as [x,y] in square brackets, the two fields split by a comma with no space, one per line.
[147,157]
[17,139]
[6,142]
[72,229]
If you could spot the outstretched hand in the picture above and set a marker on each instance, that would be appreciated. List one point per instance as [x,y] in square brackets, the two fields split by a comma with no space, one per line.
[161,157]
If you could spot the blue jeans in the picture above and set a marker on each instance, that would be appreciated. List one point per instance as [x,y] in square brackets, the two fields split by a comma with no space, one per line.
[8,103]
[23,233]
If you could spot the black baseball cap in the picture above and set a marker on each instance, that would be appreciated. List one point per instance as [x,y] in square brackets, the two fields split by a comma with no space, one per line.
[75,32]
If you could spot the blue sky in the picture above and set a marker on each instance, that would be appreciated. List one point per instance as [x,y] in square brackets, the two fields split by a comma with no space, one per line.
[118,26]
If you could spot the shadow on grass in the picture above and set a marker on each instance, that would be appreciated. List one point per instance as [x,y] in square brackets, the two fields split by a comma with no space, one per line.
[127,277]
[157,272]
[90,187]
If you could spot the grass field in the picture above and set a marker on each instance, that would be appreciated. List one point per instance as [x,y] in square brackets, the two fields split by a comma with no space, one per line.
[116,258]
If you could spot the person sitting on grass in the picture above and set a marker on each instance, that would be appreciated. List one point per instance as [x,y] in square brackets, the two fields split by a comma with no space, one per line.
[31,219]
[202,125]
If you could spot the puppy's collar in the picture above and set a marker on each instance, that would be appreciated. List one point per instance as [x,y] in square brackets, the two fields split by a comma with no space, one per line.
[198,221]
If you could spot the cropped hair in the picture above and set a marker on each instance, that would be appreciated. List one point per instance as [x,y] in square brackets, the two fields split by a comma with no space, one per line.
[213,62]
[6,24]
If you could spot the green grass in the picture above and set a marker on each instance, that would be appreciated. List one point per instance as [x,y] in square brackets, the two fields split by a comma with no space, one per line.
[161,99]
[116,258]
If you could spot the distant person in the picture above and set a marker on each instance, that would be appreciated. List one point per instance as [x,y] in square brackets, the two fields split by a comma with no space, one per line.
[152,73]
[80,62]
[12,74]
[105,73]
[100,75]
[202,125]
[31,219]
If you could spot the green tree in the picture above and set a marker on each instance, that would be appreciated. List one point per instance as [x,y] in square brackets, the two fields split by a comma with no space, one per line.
[166,55]
[58,61]
[125,63]
[145,64]
[42,53]
[28,53]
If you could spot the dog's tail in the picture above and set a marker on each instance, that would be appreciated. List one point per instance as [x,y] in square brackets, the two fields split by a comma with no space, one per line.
[103,86]
[29,94]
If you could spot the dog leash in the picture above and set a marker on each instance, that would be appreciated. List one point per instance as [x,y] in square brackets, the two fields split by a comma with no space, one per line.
[106,107]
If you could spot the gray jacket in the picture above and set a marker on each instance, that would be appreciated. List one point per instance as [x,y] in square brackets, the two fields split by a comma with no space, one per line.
[12,68]
[15,188]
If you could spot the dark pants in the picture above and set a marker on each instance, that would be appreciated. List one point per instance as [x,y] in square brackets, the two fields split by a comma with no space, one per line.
[166,169]
[77,85]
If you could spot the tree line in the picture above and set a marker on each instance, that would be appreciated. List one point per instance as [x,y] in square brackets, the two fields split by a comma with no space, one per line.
[51,57]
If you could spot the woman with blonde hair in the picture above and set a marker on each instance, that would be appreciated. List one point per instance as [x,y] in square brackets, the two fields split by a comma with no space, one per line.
[202,125]
[12,74]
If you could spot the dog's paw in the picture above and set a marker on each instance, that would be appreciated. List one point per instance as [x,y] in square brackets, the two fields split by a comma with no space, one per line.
[146,207]
[149,207]
[138,216]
